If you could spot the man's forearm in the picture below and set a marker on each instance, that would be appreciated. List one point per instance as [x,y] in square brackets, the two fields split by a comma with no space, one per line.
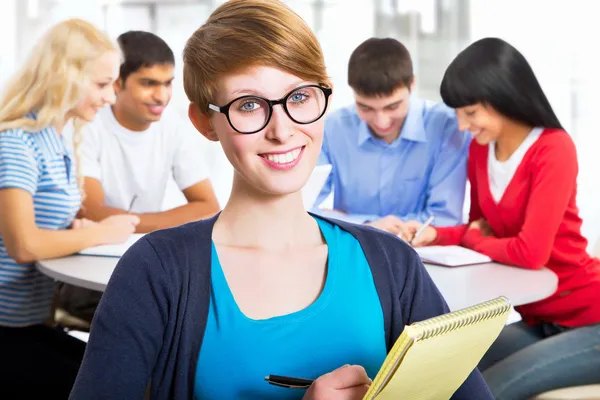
[149,222]
[98,213]
[192,211]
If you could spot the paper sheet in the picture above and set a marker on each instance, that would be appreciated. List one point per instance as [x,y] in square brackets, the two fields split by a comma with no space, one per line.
[451,256]
[112,250]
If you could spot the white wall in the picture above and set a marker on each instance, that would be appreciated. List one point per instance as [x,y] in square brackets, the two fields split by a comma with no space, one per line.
[8,48]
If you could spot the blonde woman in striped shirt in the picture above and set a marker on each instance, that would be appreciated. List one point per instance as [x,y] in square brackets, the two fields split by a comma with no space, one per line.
[68,77]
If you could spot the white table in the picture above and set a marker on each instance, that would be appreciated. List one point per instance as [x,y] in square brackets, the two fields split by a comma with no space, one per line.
[461,286]
[88,272]
[465,286]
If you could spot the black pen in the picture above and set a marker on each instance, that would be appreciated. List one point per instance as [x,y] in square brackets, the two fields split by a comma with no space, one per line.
[287,382]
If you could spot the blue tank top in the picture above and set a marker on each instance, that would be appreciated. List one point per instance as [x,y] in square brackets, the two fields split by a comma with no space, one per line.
[343,326]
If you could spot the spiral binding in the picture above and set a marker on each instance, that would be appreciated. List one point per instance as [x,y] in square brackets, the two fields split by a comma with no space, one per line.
[459,319]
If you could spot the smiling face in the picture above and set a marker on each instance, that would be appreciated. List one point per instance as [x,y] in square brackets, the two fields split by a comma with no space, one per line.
[143,96]
[484,123]
[384,114]
[278,159]
[103,73]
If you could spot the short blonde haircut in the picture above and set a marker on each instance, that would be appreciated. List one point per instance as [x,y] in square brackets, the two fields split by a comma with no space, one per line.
[54,78]
[246,33]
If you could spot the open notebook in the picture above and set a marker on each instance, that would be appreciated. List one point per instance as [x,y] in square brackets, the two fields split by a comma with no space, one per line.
[451,256]
[432,358]
[112,250]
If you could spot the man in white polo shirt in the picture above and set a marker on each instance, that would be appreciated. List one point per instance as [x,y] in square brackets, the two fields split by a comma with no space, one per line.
[131,150]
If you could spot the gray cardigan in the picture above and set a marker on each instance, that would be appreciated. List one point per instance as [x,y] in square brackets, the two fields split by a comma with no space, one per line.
[150,322]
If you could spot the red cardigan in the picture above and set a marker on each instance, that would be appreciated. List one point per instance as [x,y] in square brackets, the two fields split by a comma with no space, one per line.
[535,224]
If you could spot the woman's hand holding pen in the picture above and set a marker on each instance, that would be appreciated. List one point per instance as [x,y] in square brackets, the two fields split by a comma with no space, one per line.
[425,237]
[349,382]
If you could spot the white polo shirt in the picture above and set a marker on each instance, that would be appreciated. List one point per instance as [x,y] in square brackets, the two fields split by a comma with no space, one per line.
[138,165]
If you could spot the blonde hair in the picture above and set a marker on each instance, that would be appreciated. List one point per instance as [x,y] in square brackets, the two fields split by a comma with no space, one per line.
[245,33]
[54,78]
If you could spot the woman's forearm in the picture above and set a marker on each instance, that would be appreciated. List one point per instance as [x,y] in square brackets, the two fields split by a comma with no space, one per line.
[44,244]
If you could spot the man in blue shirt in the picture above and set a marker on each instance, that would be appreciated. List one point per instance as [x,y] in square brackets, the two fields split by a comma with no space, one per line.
[394,157]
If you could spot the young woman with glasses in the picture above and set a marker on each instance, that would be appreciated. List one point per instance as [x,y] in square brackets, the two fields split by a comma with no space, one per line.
[207,310]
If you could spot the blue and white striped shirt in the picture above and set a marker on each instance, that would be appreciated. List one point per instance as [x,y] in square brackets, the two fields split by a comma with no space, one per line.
[39,163]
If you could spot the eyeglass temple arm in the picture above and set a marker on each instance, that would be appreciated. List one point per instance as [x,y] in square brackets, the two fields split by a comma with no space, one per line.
[214,108]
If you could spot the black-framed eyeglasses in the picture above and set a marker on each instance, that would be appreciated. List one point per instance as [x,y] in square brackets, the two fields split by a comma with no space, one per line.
[250,114]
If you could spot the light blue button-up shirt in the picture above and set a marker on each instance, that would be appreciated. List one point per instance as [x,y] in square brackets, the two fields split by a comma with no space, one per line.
[421,173]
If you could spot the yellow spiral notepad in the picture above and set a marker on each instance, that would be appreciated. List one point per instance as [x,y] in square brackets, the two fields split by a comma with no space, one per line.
[432,358]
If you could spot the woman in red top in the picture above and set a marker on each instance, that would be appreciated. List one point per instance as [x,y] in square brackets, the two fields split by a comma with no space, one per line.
[523,173]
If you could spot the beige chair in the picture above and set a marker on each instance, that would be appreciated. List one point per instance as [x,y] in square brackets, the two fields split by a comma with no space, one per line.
[70,321]
[588,392]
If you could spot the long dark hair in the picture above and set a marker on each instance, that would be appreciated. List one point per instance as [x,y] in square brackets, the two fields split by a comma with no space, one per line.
[492,72]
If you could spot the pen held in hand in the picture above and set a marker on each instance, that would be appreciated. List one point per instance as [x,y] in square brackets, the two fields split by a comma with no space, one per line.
[287,382]
[422,228]
[131,204]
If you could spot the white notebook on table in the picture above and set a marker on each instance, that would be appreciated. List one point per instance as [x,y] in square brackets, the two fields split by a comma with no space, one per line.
[112,250]
[451,256]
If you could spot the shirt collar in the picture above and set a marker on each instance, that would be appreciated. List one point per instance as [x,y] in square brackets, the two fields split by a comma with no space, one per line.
[364,133]
[413,128]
